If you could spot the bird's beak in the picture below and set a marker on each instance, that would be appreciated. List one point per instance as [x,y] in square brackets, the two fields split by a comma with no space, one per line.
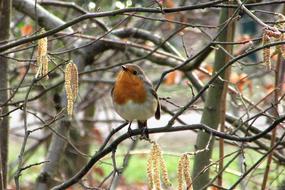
[124,68]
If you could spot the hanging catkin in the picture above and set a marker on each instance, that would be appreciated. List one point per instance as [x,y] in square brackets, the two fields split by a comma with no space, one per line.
[71,85]
[42,57]
[266,51]
[156,167]
[184,172]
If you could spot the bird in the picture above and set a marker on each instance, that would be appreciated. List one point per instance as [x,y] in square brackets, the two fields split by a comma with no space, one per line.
[134,97]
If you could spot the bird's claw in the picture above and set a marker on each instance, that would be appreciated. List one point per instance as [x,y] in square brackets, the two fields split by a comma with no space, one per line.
[144,134]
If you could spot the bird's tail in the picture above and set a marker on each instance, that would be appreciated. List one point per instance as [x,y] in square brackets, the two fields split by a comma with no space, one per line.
[143,126]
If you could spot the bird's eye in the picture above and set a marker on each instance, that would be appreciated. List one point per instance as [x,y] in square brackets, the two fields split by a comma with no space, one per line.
[135,72]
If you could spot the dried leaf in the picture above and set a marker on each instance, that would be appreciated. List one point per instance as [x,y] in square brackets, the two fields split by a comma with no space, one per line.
[27,30]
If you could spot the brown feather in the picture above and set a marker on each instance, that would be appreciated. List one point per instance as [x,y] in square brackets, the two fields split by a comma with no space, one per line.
[128,87]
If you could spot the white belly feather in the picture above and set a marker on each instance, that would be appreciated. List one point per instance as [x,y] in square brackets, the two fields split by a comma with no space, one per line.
[137,111]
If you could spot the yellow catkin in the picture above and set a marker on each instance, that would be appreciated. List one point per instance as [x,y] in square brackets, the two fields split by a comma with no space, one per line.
[155,167]
[156,176]
[163,168]
[42,45]
[45,66]
[186,172]
[68,89]
[281,23]
[266,51]
[282,47]
[69,107]
[180,173]
[278,47]
[71,85]
[280,26]
[150,168]
[273,33]
[74,80]
[42,57]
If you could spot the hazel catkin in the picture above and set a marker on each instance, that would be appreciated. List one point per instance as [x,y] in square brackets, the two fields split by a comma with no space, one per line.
[42,57]
[71,85]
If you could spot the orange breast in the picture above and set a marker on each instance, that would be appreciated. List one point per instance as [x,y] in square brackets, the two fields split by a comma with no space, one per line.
[128,87]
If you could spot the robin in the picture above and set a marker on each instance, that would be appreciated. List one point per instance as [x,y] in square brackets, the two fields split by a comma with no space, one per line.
[134,97]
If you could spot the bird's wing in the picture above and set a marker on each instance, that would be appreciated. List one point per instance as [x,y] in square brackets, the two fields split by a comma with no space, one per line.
[112,91]
[157,112]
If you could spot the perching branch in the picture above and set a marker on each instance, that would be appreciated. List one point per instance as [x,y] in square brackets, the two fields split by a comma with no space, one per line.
[108,149]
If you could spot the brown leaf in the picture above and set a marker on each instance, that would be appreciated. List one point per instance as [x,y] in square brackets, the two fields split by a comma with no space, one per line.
[98,171]
[170,78]
[97,135]
[27,30]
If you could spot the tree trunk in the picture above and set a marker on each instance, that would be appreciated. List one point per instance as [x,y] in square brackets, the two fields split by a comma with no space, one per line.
[46,178]
[82,142]
[212,112]
[5,9]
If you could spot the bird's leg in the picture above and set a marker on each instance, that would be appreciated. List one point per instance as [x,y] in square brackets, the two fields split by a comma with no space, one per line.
[144,131]
[130,131]
[145,134]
